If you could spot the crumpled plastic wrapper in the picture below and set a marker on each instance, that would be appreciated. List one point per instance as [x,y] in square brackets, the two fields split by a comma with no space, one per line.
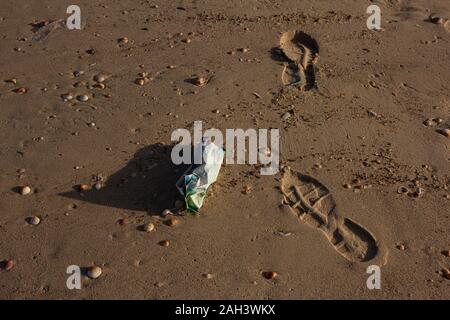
[194,183]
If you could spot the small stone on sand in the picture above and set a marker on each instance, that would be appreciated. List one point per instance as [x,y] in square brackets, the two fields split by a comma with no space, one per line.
[140,81]
[34,221]
[172,222]
[25,190]
[164,243]
[83,187]
[21,90]
[270,275]
[445,132]
[446,253]
[100,78]
[94,272]
[199,81]
[436,19]
[83,98]
[401,247]
[149,227]
[67,97]
[8,265]
[166,212]
[446,273]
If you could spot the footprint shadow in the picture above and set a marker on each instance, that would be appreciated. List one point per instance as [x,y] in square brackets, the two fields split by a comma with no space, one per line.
[146,183]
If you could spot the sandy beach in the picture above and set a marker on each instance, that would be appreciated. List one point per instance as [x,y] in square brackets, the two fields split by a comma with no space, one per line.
[87,179]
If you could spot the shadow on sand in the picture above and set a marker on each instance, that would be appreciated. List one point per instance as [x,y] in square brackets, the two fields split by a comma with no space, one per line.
[146,183]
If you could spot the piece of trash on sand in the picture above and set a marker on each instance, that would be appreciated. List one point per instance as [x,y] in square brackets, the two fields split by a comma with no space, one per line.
[194,183]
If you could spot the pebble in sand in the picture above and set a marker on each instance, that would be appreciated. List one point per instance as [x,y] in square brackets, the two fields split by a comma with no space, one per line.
[445,132]
[94,272]
[149,227]
[25,190]
[8,264]
[99,78]
[172,222]
[164,243]
[269,275]
[34,221]
[67,97]
[83,98]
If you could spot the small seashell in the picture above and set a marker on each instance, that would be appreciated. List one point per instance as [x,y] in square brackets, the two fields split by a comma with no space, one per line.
[401,247]
[34,221]
[83,98]
[21,90]
[140,81]
[347,186]
[436,19]
[25,190]
[123,40]
[83,187]
[164,243]
[99,78]
[429,123]
[67,97]
[166,212]
[199,81]
[7,265]
[270,275]
[98,186]
[100,85]
[149,227]
[172,222]
[94,272]
[243,50]
[208,276]
[78,73]
[445,132]
[13,81]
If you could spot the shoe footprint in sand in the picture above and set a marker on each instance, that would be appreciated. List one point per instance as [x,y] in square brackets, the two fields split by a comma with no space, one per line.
[314,204]
[302,52]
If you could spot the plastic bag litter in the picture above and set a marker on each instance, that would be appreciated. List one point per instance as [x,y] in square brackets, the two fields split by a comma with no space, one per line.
[194,183]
